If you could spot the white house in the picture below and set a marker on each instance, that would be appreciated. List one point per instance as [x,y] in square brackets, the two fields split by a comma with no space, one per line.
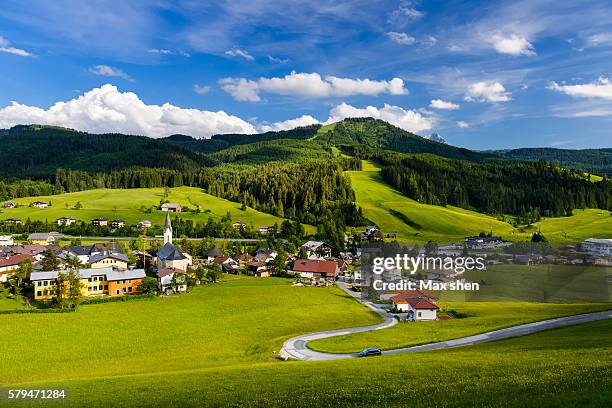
[144,224]
[171,207]
[317,248]
[164,280]
[40,204]
[67,221]
[597,247]
[6,240]
[417,308]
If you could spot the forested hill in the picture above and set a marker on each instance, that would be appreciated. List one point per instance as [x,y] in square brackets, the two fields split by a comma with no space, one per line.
[37,151]
[597,161]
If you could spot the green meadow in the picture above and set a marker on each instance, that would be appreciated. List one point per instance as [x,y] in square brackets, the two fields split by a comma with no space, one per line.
[7,303]
[418,222]
[127,204]
[558,368]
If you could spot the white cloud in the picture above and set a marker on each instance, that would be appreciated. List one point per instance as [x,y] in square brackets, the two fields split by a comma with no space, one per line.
[241,89]
[513,45]
[201,89]
[159,51]
[440,104]
[237,52]
[602,89]
[407,10]
[105,109]
[487,92]
[303,120]
[310,85]
[105,70]
[277,60]
[599,39]
[401,38]
[406,119]
[5,46]
[462,124]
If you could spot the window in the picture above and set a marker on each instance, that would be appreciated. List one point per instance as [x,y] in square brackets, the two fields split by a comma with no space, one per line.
[100,287]
[88,279]
[130,289]
[39,283]
[129,281]
[105,287]
[117,291]
[39,293]
[123,290]
[419,314]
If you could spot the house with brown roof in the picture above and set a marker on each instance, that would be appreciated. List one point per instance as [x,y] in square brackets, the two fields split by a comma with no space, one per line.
[315,268]
[165,277]
[418,308]
[9,264]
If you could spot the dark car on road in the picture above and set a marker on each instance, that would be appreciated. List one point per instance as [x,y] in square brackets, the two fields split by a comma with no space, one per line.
[369,352]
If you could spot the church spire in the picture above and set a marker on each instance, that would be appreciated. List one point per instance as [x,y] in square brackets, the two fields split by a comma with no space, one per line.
[167,230]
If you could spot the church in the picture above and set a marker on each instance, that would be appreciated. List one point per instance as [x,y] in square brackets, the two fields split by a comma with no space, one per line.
[170,256]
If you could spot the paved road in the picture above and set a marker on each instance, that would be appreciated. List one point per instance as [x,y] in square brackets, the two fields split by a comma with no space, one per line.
[296,347]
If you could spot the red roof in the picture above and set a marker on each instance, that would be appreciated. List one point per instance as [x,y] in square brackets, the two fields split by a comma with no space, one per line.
[14,260]
[422,304]
[316,266]
[417,302]
[411,294]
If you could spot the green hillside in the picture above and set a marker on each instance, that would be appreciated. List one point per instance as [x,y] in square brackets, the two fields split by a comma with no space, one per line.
[597,161]
[127,204]
[419,222]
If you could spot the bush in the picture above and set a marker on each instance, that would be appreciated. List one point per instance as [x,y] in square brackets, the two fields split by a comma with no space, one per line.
[110,299]
[28,311]
[456,315]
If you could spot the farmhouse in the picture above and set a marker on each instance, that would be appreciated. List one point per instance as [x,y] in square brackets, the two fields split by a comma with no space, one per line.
[39,204]
[99,222]
[239,225]
[9,204]
[213,253]
[13,221]
[317,248]
[9,264]
[597,247]
[170,256]
[259,269]
[265,229]
[42,238]
[117,224]
[66,221]
[6,240]
[106,259]
[418,308]
[165,280]
[228,264]
[315,268]
[36,251]
[144,224]
[95,282]
[171,207]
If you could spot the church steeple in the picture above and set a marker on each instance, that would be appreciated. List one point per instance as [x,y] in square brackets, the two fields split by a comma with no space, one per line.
[167,230]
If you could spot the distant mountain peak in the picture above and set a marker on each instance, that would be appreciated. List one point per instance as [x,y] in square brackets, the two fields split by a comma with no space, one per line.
[436,137]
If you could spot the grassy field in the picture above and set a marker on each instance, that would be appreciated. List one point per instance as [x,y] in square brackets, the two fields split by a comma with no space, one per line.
[443,224]
[10,304]
[379,201]
[566,367]
[242,321]
[126,204]
[483,317]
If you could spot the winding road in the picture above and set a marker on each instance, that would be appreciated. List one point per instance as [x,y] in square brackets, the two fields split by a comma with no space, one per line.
[296,347]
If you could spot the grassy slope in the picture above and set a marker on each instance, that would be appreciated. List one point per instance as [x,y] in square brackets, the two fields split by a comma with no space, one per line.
[443,224]
[99,203]
[10,304]
[450,223]
[559,368]
[237,322]
[483,317]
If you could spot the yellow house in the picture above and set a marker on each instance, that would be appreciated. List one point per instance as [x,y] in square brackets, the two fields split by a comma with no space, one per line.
[109,259]
[94,282]
[41,238]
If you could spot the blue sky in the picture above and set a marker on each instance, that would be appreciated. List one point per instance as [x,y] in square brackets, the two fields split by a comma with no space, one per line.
[482,74]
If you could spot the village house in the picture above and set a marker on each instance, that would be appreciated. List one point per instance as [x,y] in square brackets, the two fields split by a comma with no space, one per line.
[170,256]
[265,229]
[239,225]
[13,221]
[106,259]
[164,280]
[117,224]
[244,259]
[82,253]
[9,204]
[6,240]
[213,253]
[259,268]
[94,282]
[99,222]
[36,251]
[9,264]
[144,224]
[315,269]
[597,246]
[387,295]
[265,255]
[317,248]
[418,308]
[66,221]
[42,238]
[228,264]
[171,207]
[39,204]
